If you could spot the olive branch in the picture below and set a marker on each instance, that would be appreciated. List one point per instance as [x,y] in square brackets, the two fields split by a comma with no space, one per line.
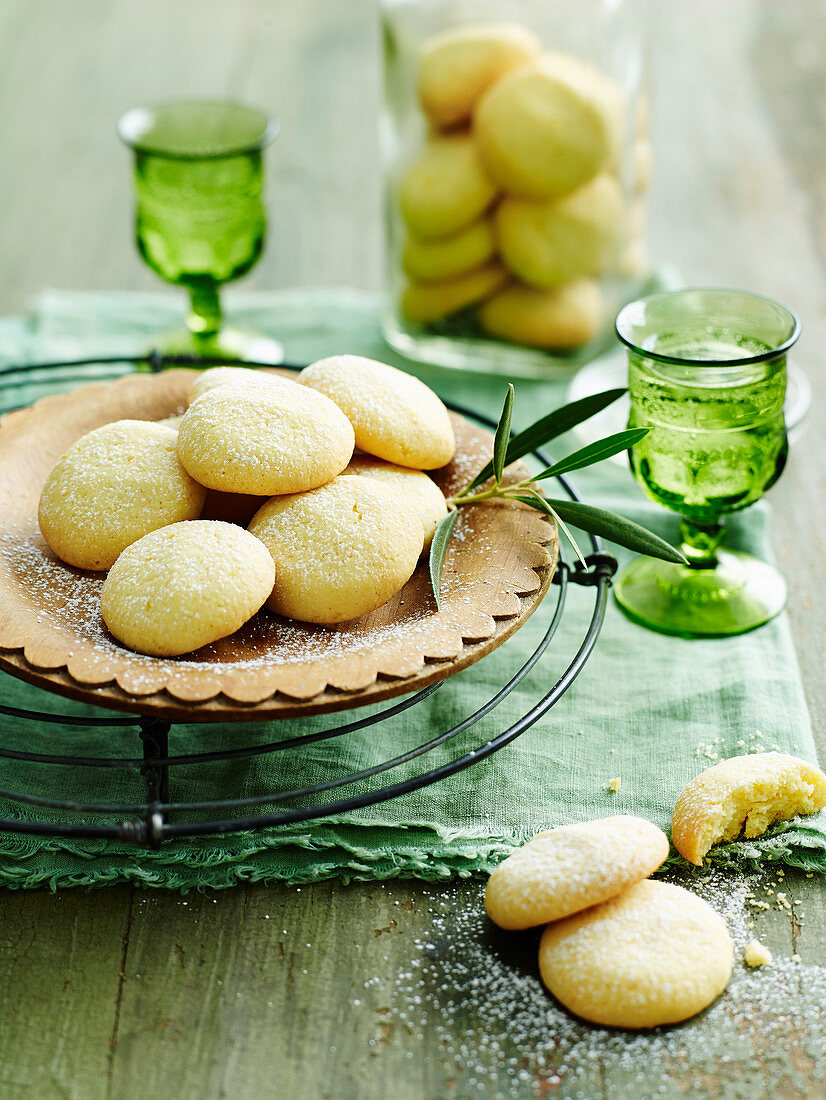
[585,517]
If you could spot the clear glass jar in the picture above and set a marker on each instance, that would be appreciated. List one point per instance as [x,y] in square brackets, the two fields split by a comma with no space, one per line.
[517,160]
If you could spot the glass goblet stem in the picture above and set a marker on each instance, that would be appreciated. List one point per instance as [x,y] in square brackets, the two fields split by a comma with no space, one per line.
[204,317]
[700,543]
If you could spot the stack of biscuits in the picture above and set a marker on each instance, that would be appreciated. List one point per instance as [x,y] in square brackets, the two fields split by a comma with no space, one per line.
[308,496]
[515,206]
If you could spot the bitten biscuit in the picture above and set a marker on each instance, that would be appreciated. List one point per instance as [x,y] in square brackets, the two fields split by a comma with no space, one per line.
[655,954]
[565,317]
[546,244]
[743,794]
[449,257]
[111,487]
[457,66]
[413,486]
[264,440]
[184,586]
[428,302]
[235,376]
[340,551]
[394,415]
[567,869]
[548,127]
[445,188]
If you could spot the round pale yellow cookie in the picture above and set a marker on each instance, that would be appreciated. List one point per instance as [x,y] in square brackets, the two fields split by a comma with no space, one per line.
[642,160]
[186,585]
[567,869]
[655,954]
[744,794]
[264,440]
[111,487]
[340,551]
[546,244]
[171,421]
[413,486]
[633,260]
[445,188]
[395,416]
[428,302]
[235,376]
[449,257]
[565,317]
[457,66]
[548,127]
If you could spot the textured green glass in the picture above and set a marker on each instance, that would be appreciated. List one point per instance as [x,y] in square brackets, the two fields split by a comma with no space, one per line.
[707,377]
[717,438]
[199,216]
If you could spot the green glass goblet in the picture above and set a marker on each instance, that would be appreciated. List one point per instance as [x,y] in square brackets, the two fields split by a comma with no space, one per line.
[707,377]
[200,220]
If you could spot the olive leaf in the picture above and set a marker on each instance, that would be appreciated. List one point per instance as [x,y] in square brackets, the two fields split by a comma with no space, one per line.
[548,427]
[594,452]
[502,437]
[585,517]
[438,550]
[617,529]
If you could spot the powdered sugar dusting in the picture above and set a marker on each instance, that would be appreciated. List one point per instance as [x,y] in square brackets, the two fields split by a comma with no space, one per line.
[501,1034]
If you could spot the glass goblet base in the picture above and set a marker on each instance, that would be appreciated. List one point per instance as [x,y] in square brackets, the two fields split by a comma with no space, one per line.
[738,594]
[228,343]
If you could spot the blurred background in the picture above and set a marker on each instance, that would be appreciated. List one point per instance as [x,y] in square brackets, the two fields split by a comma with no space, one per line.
[739,111]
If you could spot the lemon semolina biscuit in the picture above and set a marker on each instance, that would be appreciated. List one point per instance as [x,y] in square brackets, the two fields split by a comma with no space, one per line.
[445,189]
[112,486]
[394,415]
[571,868]
[448,257]
[633,260]
[655,954]
[428,302]
[457,66]
[546,244]
[340,551]
[642,162]
[419,491]
[185,585]
[564,317]
[234,376]
[548,127]
[263,441]
[745,794]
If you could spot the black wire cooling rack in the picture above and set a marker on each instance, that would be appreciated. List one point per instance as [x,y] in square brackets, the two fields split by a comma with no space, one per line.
[152,821]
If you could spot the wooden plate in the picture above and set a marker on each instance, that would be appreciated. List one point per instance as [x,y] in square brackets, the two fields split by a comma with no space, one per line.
[499,566]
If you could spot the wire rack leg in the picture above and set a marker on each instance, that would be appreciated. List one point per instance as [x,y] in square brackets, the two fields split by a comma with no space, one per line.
[154,733]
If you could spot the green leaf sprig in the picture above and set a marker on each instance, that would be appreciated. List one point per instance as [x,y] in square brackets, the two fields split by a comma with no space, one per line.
[585,517]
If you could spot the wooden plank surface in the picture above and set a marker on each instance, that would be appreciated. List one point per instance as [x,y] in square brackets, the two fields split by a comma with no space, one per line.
[400,989]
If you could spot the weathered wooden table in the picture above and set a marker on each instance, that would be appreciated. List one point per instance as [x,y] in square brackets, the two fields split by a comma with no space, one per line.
[397,988]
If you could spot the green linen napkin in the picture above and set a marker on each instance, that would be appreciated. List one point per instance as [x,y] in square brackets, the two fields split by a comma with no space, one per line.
[650,709]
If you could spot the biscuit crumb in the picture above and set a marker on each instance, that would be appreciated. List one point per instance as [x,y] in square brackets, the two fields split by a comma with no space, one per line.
[757,954]
[796,958]
[615,783]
